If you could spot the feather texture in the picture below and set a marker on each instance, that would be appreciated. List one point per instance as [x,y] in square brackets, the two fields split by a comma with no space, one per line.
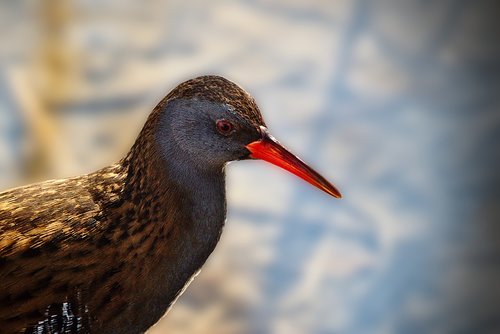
[110,251]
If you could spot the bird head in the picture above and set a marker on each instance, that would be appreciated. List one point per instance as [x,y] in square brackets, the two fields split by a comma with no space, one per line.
[212,121]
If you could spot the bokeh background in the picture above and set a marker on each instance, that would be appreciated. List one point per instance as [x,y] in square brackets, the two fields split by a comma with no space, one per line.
[398,102]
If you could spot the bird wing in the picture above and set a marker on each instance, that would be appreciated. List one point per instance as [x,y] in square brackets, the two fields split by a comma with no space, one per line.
[43,231]
[38,215]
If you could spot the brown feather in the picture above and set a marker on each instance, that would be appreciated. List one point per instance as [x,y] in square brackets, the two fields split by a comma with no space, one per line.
[95,241]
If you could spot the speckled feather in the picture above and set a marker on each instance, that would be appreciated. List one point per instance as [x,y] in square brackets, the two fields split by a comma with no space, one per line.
[91,242]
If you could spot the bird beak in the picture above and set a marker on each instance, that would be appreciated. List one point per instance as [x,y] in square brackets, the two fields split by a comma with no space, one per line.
[269,149]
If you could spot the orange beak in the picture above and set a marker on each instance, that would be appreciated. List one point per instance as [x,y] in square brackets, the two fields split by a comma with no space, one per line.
[269,149]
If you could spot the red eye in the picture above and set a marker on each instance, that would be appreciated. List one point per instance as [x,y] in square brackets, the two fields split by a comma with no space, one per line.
[224,127]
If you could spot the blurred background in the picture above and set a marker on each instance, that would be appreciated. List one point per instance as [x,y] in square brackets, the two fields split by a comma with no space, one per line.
[397,102]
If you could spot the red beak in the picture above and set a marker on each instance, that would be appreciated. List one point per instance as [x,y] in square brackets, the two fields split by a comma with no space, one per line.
[269,149]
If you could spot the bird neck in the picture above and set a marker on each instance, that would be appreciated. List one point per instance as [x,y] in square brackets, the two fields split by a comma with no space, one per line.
[168,177]
[177,218]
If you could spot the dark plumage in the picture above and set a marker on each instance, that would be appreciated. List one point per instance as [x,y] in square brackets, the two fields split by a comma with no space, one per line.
[109,252]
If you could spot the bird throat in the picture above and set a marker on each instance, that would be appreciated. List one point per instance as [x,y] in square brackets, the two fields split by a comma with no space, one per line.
[164,222]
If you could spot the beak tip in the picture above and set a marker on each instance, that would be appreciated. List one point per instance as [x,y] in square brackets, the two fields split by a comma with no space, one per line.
[335,193]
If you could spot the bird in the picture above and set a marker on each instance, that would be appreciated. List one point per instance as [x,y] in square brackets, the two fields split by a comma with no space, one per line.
[111,251]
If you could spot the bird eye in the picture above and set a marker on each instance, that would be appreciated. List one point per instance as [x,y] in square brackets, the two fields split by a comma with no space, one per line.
[224,127]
